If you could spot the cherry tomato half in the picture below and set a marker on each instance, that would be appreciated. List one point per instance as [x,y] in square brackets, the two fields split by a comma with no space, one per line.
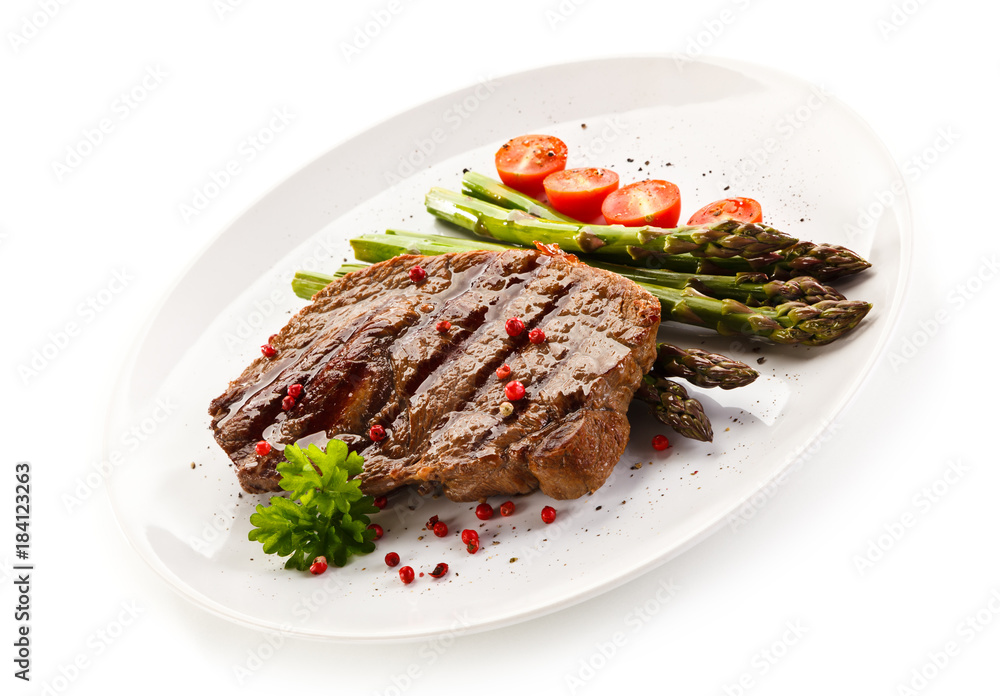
[525,161]
[742,209]
[579,193]
[651,202]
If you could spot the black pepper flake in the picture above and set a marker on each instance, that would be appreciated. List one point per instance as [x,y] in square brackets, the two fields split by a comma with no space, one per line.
[630,160]
[465,170]
[726,189]
[760,360]
[598,507]
[513,560]
[583,126]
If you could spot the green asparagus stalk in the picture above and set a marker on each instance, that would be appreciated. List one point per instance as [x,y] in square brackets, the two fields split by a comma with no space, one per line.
[305,284]
[753,289]
[381,247]
[701,367]
[672,405]
[788,322]
[723,239]
[791,322]
[824,262]
[492,191]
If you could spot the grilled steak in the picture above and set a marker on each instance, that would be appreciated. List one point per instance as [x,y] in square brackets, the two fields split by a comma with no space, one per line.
[369,351]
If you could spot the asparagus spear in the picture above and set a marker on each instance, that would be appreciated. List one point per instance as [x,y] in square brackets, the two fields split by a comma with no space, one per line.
[791,322]
[788,322]
[672,405]
[305,284]
[824,262]
[723,239]
[381,247]
[492,191]
[701,367]
[750,288]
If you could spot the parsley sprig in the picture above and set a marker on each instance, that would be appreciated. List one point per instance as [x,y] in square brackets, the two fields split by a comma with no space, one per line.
[326,514]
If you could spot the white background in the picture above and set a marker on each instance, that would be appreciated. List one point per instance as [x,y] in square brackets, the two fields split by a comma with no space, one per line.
[913,70]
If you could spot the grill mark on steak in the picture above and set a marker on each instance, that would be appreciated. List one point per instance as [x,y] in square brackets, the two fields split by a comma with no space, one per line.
[465,322]
[340,395]
[485,386]
[264,405]
[469,312]
[486,396]
[445,390]
[484,381]
[280,371]
[366,352]
[535,414]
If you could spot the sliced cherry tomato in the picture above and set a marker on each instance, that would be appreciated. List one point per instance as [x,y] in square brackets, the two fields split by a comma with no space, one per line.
[524,162]
[580,192]
[651,202]
[742,209]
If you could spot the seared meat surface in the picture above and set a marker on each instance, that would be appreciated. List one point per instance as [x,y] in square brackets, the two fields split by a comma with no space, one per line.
[368,351]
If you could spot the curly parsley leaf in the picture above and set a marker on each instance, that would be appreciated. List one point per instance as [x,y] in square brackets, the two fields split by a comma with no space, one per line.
[325,514]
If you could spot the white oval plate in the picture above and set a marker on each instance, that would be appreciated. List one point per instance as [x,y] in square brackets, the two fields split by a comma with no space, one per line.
[704,125]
